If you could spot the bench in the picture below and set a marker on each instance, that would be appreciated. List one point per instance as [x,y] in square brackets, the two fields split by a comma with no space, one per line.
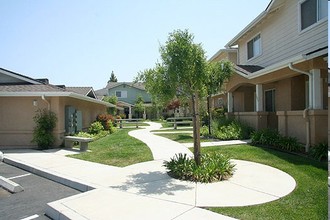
[179,120]
[83,142]
[128,121]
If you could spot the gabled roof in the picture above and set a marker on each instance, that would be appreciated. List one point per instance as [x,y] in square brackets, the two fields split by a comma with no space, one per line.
[111,85]
[8,77]
[137,85]
[87,91]
[272,6]
[17,85]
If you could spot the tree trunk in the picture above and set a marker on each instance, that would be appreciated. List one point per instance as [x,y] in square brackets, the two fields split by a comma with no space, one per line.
[196,129]
[209,113]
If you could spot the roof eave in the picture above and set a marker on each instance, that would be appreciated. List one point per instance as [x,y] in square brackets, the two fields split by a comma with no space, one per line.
[56,94]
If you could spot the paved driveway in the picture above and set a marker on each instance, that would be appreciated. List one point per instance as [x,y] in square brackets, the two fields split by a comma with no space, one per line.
[30,203]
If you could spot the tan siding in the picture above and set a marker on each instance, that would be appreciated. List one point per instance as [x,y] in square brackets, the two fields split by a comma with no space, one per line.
[281,37]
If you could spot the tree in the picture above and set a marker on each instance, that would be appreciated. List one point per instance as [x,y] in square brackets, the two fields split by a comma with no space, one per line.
[182,73]
[218,72]
[113,100]
[113,78]
[138,106]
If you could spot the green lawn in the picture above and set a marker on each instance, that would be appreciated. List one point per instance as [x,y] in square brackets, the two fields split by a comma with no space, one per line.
[184,138]
[117,149]
[308,201]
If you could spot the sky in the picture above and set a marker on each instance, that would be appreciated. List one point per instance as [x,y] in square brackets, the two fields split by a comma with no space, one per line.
[80,42]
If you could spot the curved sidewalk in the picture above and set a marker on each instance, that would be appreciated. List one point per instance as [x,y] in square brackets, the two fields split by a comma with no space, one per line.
[161,148]
[144,190]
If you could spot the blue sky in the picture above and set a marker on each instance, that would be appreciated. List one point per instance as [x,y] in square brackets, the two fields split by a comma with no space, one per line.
[79,42]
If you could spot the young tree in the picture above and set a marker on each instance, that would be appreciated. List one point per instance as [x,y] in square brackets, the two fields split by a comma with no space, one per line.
[182,73]
[138,106]
[113,78]
[113,100]
[218,72]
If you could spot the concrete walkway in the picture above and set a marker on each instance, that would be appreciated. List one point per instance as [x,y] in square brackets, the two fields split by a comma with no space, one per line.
[145,191]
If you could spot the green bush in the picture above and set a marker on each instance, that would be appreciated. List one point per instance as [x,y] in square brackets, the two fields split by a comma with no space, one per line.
[214,167]
[104,119]
[320,151]
[95,128]
[43,131]
[272,138]
[204,131]
[228,129]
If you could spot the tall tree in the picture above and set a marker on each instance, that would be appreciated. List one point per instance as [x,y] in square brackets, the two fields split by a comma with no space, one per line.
[218,72]
[181,73]
[113,78]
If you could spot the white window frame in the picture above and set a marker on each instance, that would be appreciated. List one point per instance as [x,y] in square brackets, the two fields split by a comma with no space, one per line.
[318,19]
[123,94]
[260,47]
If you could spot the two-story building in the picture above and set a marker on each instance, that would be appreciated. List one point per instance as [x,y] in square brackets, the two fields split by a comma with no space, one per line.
[127,94]
[280,78]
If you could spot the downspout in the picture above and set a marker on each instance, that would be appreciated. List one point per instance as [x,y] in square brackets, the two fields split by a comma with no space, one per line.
[310,98]
[45,100]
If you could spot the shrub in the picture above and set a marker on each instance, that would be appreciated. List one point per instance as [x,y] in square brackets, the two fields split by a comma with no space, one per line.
[104,119]
[111,127]
[289,144]
[95,128]
[43,132]
[228,129]
[204,131]
[272,138]
[319,151]
[214,167]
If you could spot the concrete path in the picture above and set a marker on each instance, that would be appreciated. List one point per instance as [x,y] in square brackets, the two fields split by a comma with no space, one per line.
[161,148]
[145,191]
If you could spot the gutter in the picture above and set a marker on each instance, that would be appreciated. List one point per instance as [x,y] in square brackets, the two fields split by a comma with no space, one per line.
[310,97]
[45,100]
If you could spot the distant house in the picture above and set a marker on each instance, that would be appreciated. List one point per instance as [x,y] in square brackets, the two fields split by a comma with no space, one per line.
[21,96]
[280,78]
[127,94]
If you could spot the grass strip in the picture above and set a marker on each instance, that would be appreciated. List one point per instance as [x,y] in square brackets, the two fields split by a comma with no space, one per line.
[118,149]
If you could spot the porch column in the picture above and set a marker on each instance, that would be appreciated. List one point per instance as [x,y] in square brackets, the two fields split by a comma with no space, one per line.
[130,112]
[144,113]
[259,98]
[230,102]
[317,95]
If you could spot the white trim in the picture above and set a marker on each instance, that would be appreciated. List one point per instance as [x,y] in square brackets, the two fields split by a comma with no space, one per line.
[56,94]
[247,48]
[318,22]
[15,75]
[275,67]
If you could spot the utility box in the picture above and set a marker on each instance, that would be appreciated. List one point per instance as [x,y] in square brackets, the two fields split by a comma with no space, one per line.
[73,120]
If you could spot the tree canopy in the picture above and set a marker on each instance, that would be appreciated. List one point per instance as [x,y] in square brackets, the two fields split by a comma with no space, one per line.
[182,73]
[113,78]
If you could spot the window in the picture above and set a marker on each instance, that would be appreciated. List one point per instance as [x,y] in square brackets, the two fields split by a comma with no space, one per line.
[270,100]
[121,94]
[254,47]
[311,11]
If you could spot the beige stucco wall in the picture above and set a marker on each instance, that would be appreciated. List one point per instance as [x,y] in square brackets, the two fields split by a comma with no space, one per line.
[16,118]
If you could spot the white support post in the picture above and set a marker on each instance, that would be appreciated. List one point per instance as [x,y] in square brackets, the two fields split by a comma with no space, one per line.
[317,95]
[130,112]
[259,98]
[230,102]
